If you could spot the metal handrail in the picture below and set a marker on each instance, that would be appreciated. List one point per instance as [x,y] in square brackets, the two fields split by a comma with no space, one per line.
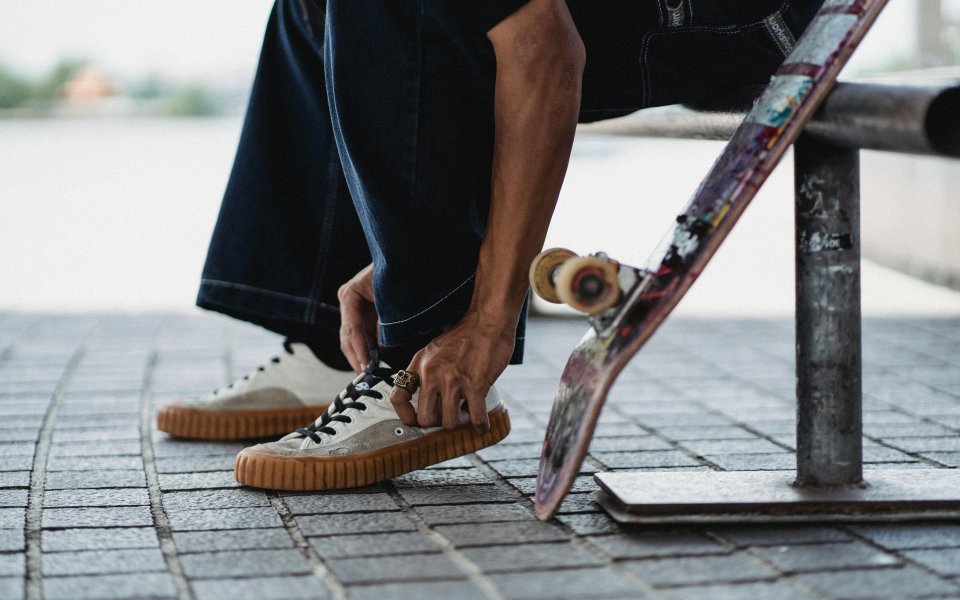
[911,118]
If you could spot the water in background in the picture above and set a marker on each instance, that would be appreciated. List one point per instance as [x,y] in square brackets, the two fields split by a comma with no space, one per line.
[115,214]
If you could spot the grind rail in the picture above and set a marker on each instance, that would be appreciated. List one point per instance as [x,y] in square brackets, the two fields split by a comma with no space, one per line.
[830,483]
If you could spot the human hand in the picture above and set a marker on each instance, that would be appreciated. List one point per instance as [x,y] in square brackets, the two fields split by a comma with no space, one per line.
[358,318]
[461,363]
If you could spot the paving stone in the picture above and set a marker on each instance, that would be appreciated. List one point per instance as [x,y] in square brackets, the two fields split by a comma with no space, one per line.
[429,477]
[127,516]
[524,557]
[16,463]
[13,498]
[95,463]
[376,544]
[96,434]
[779,535]
[474,513]
[388,569]
[21,434]
[287,587]
[824,557]
[67,540]
[101,497]
[12,517]
[12,565]
[950,459]
[511,451]
[629,444]
[231,539]
[352,523]
[602,582]
[214,499]
[103,562]
[340,503]
[197,481]
[904,536]
[112,448]
[111,421]
[780,590]
[458,494]
[225,518]
[18,449]
[578,503]
[166,447]
[459,462]
[713,432]
[658,543]
[522,435]
[12,587]
[694,570]
[928,444]
[12,540]
[110,587]
[897,430]
[875,454]
[527,485]
[75,480]
[420,590]
[876,584]
[590,524]
[945,561]
[659,459]
[745,446]
[526,468]
[195,464]
[245,563]
[489,534]
[784,461]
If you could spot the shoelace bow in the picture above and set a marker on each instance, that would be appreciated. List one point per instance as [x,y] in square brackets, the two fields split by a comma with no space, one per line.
[334,412]
[275,360]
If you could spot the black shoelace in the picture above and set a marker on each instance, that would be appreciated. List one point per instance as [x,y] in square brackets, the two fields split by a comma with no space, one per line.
[351,399]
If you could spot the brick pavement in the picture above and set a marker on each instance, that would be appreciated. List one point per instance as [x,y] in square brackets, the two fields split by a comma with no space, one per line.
[95,503]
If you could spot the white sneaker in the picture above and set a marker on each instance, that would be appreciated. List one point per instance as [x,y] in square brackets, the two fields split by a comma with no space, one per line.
[287,392]
[359,440]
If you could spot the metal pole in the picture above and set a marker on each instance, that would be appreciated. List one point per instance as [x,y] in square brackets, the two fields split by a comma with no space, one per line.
[829,368]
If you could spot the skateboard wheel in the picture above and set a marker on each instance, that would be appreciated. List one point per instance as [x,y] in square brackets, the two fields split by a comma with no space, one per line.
[543,271]
[588,284]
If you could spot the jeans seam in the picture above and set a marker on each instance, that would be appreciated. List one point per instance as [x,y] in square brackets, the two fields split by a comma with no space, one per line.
[431,307]
[266,292]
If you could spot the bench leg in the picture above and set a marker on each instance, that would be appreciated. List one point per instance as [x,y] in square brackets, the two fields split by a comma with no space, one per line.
[828,333]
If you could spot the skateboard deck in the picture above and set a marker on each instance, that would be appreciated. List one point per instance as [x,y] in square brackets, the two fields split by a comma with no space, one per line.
[647,296]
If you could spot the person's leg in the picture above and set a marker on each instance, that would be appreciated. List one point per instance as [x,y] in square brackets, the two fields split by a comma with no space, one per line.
[286,239]
[410,86]
[288,235]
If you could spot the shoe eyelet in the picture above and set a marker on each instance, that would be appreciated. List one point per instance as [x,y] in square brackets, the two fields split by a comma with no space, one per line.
[398,431]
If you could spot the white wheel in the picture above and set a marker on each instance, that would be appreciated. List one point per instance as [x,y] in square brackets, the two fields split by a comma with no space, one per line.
[588,284]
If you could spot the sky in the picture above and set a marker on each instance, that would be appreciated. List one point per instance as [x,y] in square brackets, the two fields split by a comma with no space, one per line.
[219,39]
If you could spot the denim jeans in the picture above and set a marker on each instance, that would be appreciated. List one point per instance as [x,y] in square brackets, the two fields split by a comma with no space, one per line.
[369,137]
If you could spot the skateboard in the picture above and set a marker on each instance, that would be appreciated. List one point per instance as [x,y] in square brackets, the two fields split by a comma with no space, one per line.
[627,304]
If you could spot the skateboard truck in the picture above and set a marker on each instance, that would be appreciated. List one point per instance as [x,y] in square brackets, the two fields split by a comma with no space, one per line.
[594,284]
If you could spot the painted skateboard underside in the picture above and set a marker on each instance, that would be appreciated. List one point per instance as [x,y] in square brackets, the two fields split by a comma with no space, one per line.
[775,121]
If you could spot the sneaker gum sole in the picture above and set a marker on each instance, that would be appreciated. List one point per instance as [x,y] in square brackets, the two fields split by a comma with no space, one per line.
[199,424]
[315,473]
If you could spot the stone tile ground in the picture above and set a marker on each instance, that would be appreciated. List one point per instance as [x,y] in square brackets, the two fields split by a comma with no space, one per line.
[95,503]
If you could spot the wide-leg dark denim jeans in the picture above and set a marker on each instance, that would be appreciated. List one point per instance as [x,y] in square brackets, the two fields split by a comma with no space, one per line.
[369,136]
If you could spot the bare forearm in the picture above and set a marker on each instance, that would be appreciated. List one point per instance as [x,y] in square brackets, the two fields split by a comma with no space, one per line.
[537,101]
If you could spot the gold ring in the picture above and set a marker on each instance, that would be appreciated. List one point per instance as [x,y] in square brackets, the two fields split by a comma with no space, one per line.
[407,380]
